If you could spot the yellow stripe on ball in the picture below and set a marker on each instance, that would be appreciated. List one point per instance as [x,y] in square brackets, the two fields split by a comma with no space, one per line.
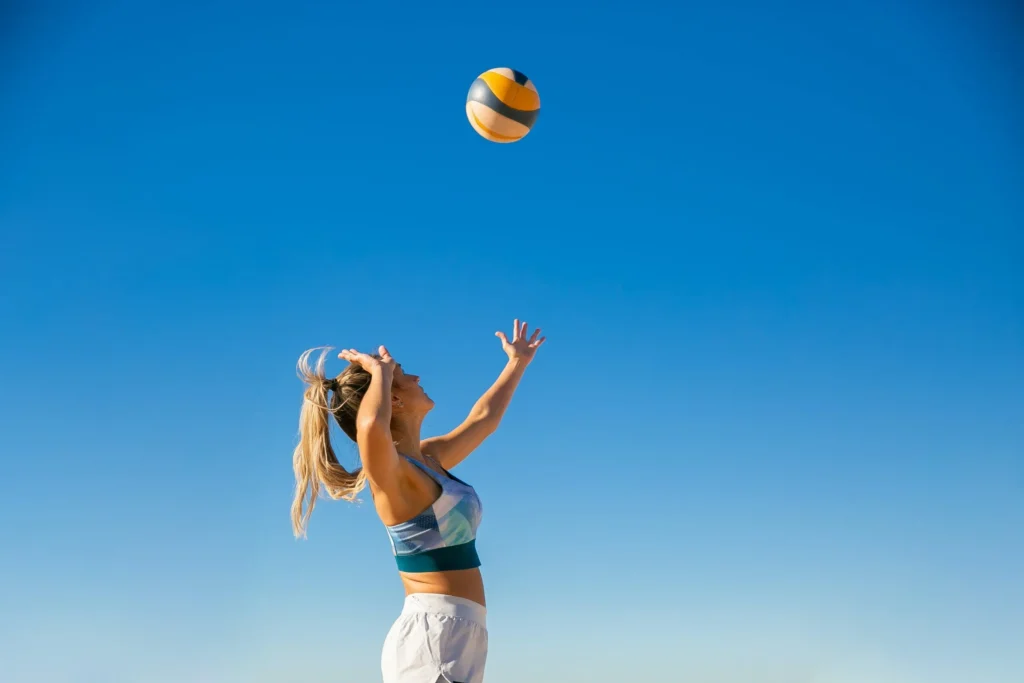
[511,93]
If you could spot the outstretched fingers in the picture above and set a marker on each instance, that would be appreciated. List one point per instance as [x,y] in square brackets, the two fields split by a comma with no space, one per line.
[519,330]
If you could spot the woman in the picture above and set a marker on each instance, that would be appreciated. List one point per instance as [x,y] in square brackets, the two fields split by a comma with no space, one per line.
[430,515]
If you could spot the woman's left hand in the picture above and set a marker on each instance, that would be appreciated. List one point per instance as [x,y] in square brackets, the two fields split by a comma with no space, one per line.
[520,348]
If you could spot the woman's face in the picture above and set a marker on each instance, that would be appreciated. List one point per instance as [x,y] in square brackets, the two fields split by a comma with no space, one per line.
[406,388]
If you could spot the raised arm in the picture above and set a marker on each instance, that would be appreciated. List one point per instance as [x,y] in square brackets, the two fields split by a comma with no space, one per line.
[373,422]
[485,416]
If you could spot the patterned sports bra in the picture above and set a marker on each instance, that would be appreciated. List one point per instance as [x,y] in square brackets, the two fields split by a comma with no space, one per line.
[442,537]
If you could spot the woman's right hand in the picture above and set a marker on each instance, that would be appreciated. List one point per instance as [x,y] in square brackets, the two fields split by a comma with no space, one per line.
[385,363]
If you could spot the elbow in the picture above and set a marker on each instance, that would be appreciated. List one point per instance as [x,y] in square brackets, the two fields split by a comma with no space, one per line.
[487,421]
[371,427]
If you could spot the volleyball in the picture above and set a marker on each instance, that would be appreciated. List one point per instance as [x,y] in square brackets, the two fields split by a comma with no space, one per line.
[502,105]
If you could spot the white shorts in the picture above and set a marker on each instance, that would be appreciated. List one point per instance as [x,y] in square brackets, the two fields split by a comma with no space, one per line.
[436,639]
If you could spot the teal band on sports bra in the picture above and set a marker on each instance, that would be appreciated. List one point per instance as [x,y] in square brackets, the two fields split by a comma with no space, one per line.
[454,557]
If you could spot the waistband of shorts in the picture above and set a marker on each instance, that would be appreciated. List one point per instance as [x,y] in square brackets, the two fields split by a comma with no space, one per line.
[438,603]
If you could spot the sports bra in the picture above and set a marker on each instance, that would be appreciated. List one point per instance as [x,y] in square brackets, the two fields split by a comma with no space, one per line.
[442,537]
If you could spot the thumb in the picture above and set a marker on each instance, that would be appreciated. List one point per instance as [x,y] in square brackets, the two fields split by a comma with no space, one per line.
[502,337]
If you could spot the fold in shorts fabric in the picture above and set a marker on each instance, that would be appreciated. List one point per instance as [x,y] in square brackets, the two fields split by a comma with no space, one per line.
[436,639]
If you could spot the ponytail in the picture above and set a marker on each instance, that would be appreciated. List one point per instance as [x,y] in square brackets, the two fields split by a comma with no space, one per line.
[314,460]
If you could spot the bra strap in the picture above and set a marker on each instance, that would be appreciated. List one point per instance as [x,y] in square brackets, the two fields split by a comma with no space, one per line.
[436,476]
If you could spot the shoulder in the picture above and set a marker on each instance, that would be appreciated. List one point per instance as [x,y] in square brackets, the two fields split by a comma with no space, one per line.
[432,446]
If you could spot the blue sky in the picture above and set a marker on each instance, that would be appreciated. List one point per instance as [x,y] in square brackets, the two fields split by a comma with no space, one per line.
[775,434]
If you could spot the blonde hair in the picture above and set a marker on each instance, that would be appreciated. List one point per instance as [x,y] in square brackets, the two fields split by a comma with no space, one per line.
[314,461]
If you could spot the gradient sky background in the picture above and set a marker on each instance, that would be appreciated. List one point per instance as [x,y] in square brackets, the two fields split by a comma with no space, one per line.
[776,433]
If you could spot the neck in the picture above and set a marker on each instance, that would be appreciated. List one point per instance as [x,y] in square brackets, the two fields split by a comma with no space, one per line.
[408,435]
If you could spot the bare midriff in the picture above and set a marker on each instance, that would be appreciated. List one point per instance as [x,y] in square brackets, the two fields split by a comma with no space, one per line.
[461,583]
